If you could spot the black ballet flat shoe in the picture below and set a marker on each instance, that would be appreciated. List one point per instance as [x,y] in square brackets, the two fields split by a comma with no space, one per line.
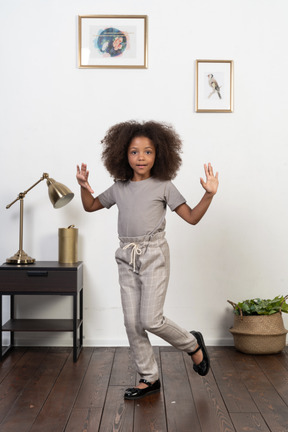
[203,367]
[137,393]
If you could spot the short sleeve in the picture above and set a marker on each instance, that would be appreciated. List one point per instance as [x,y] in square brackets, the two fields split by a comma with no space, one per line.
[173,196]
[107,198]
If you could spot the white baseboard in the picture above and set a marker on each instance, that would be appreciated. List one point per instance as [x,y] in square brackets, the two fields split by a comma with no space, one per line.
[59,340]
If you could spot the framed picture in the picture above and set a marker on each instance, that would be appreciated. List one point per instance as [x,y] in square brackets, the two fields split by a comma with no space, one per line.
[112,41]
[214,86]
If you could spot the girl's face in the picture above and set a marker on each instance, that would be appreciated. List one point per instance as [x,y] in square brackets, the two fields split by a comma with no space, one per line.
[141,157]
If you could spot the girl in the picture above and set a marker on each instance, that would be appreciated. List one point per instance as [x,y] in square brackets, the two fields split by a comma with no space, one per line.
[143,158]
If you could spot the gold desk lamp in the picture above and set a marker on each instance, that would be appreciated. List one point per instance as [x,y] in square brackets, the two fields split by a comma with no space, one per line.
[59,195]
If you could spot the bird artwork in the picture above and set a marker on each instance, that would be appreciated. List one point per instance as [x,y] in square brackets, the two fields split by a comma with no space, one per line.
[214,85]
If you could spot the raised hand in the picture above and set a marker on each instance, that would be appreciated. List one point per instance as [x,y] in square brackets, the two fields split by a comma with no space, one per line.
[211,184]
[82,177]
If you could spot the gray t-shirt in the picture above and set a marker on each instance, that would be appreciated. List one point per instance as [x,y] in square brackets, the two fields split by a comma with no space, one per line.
[141,204]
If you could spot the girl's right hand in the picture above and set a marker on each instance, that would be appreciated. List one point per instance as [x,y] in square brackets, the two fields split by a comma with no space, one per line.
[82,177]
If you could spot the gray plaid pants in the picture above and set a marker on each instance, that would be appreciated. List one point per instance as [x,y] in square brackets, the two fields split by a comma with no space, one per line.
[144,265]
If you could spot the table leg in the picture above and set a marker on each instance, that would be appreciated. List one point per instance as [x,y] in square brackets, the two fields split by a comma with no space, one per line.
[1,327]
[12,312]
[75,327]
[81,319]
[4,350]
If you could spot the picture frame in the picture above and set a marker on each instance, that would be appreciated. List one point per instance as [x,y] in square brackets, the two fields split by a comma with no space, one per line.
[112,41]
[214,86]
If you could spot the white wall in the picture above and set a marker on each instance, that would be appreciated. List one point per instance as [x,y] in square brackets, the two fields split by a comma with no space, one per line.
[53,116]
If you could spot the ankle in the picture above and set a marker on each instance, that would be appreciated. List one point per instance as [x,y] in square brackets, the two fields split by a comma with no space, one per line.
[144,383]
[197,355]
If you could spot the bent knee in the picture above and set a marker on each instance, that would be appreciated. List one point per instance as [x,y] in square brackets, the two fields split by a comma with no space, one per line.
[153,325]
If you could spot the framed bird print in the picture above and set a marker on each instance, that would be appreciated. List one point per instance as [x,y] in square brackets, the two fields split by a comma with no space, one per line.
[214,86]
[112,41]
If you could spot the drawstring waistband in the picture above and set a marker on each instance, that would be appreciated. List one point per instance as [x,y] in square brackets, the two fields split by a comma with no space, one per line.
[135,251]
[140,244]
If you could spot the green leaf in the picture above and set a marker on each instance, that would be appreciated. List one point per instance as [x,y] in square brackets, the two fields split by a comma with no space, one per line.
[259,306]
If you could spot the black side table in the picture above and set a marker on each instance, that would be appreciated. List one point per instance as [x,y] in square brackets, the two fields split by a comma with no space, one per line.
[43,278]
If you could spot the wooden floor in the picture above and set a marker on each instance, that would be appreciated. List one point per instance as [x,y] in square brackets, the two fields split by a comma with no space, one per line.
[43,390]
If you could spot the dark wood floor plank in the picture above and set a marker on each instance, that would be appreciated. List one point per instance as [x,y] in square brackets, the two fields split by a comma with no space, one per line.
[267,399]
[34,395]
[93,389]
[150,414]
[123,371]
[56,411]
[117,414]
[210,406]
[283,358]
[15,382]
[276,373]
[9,361]
[84,420]
[42,389]
[253,422]
[233,391]
[180,407]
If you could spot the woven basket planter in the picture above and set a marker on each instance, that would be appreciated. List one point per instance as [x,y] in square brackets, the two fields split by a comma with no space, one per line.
[260,334]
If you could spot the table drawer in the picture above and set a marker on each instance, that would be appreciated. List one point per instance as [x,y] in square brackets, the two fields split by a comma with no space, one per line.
[38,280]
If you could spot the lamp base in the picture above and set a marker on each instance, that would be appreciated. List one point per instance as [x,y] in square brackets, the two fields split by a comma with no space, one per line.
[20,257]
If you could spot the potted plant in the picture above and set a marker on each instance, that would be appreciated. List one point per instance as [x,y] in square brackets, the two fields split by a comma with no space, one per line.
[258,325]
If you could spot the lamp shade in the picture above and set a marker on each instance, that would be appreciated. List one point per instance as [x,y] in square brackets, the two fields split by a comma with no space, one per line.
[59,194]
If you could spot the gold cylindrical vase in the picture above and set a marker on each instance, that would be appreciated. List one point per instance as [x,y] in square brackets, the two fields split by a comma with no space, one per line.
[68,245]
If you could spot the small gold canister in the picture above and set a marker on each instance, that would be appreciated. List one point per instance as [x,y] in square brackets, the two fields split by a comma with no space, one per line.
[68,245]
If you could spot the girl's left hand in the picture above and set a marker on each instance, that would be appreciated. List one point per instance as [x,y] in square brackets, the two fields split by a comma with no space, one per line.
[211,184]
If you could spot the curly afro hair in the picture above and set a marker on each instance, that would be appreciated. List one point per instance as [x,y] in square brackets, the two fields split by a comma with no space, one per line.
[167,142]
